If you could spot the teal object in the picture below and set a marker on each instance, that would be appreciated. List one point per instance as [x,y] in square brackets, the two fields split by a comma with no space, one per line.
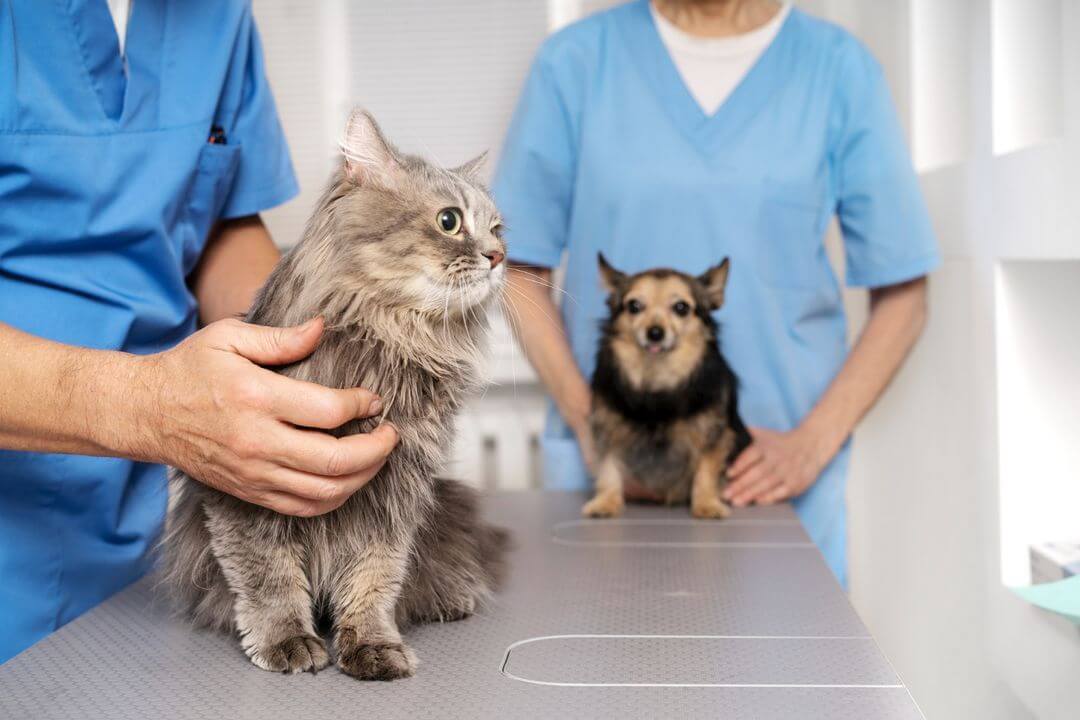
[1061,597]
[108,188]
[608,151]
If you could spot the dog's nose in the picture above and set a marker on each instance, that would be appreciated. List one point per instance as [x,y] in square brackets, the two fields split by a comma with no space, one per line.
[655,333]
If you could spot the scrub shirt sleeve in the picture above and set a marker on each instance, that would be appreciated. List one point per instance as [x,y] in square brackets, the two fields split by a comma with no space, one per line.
[887,234]
[264,176]
[534,181]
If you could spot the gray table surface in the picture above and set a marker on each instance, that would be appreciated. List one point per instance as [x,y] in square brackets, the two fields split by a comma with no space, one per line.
[652,615]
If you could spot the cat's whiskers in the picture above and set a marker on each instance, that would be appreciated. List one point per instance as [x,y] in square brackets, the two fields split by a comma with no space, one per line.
[513,320]
[480,321]
[518,293]
[537,280]
[446,311]
[460,289]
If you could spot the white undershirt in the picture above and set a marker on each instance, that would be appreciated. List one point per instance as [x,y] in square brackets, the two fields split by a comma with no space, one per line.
[713,67]
[120,10]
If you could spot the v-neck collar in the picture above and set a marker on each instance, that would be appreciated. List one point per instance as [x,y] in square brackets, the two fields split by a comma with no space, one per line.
[127,86]
[660,72]
[100,50]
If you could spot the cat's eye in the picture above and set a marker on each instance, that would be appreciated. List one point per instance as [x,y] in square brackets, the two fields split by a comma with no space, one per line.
[449,221]
[634,307]
[498,229]
[681,308]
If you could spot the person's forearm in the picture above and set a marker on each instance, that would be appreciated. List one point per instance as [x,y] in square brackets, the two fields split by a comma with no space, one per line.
[897,317]
[239,256]
[539,329]
[58,398]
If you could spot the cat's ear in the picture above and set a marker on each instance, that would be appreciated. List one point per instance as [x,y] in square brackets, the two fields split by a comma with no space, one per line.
[714,280]
[613,280]
[369,158]
[473,170]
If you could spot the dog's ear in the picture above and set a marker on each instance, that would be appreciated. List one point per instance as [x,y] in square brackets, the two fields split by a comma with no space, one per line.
[714,280]
[612,280]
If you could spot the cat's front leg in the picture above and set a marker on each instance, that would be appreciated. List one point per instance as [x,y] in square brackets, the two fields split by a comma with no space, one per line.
[272,596]
[369,645]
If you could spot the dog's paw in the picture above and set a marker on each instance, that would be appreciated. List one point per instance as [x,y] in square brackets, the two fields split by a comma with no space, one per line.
[604,506]
[389,661]
[712,509]
[301,653]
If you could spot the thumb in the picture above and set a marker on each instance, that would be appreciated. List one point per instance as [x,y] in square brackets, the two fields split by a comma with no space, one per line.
[277,345]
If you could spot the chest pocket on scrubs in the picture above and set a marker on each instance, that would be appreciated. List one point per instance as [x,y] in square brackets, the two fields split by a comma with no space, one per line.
[209,190]
[790,250]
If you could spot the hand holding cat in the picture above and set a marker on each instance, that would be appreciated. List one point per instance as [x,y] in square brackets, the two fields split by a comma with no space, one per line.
[778,466]
[239,427]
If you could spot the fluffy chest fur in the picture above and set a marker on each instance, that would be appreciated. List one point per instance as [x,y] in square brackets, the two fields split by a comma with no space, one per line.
[659,436]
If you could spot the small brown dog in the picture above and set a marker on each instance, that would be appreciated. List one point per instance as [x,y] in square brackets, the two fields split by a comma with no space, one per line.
[664,400]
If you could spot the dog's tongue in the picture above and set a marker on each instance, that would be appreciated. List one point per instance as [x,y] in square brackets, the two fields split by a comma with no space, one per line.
[654,349]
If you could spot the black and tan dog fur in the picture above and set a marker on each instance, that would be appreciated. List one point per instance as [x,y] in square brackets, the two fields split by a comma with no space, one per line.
[664,411]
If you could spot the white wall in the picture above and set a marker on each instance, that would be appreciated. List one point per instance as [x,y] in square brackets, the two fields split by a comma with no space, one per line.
[940,497]
[1001,177]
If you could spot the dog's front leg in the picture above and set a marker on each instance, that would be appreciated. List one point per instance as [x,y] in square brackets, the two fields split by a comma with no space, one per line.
[608,501]
[709,480]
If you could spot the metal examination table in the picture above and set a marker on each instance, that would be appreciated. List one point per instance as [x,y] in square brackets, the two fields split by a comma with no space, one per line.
[654,615]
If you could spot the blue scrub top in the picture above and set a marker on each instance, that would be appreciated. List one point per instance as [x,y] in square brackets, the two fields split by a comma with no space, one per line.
[609,151]
[108,188]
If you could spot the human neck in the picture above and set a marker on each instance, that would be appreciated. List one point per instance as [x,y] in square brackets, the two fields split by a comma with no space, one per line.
[717,18]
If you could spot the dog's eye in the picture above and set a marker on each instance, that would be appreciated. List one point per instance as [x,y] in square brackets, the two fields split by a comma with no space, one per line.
[634,307]
[681,308]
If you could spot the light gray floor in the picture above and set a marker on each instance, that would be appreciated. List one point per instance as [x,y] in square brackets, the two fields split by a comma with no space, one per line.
[655,615]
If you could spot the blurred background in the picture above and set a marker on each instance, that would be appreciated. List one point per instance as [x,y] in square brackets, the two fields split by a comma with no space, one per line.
[973,456]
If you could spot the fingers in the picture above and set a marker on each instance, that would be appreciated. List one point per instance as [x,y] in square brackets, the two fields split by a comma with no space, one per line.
[757,492]
[327,456]
[271,345]
[777,494]
[341,467]
[286,504]
[749,457]
[311,405]
[754,483]
[316,494]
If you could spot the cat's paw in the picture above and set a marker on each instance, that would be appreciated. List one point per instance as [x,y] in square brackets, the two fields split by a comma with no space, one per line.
[604,506]
[389,661]
[461,610]
[710,509]
[301,653]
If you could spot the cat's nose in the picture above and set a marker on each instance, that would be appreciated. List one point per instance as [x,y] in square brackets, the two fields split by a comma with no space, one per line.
[494,257]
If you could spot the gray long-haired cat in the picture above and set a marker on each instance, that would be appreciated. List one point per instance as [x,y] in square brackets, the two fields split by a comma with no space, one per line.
[401,259]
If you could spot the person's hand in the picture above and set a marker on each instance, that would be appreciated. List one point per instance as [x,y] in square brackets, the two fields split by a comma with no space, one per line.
[585,444]
[778,466]
[242,429]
